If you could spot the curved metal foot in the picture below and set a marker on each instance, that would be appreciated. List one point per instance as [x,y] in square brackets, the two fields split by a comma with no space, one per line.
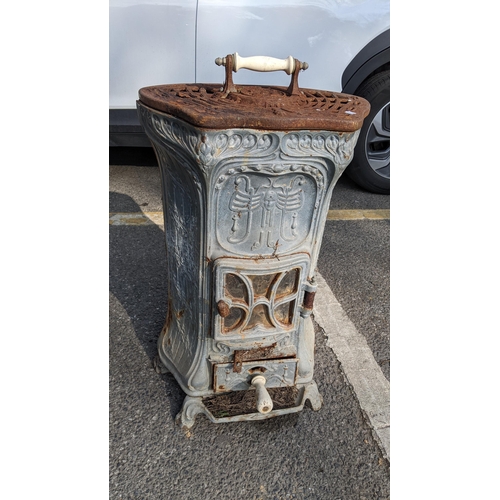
[159,366]
[190,408]
[312,394]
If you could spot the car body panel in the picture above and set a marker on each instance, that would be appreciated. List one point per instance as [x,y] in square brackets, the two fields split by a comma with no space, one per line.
[150,43]
[325,34]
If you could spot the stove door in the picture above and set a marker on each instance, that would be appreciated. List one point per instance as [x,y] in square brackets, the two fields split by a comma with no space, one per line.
[258,298]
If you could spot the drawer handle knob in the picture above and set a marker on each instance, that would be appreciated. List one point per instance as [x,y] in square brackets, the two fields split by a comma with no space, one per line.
[264,401]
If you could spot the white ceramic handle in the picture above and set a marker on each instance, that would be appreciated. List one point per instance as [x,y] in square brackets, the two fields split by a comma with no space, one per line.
[262,63]
[264,401]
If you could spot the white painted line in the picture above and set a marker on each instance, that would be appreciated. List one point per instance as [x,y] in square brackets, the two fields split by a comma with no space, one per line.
[361,370]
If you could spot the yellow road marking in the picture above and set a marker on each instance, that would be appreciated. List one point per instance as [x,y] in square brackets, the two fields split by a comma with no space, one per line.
[358,214]
[136,218]
[156,218]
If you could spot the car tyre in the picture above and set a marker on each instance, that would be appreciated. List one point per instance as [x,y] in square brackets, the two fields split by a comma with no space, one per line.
[370,167]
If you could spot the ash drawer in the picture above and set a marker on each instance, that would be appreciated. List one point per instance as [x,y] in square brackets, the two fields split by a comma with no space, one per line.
[278,373]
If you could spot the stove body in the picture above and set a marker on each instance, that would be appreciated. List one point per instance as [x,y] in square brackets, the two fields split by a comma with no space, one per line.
[244,211]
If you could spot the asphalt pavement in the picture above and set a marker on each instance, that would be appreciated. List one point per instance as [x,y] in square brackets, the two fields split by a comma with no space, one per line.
[329,454]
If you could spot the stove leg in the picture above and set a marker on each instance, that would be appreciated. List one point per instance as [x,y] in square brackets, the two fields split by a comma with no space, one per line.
[190,408]
[312,394]
[159,366]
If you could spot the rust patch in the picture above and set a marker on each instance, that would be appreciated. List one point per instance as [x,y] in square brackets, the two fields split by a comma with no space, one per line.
[245,402]
[309,300]
[223,308]
[258,107]
[257,369]
[252,355]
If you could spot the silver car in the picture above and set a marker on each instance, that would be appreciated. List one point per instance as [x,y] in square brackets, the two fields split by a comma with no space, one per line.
[345,42]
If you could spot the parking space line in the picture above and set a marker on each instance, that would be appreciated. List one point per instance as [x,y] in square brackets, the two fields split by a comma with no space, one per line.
[360,368]
[148,218]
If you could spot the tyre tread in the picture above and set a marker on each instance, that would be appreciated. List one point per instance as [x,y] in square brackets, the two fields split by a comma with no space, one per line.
[368,90]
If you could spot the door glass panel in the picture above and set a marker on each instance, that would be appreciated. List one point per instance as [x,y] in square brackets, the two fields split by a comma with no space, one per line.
[260,316]
[235,288]
[233,319]
[288,284]
[262,284]
[284,312]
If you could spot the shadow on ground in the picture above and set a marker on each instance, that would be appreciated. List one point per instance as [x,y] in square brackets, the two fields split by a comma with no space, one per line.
[138,282]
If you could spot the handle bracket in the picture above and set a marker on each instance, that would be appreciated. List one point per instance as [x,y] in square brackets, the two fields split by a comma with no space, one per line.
[234,62]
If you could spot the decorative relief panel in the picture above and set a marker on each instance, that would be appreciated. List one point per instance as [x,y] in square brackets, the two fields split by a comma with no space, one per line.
[265,214]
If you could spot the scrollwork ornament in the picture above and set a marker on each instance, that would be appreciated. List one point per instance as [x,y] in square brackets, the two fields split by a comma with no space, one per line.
[237,143]
[206,152]
[339,145]
[172,131]
[221,348]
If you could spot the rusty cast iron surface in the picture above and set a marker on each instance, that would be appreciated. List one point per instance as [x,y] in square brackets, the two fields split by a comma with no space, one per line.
[309,300]
[253,354]
[244,402]
[258,107]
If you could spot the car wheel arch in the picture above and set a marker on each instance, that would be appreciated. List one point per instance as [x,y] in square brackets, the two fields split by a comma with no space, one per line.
[371,59]
[370,67]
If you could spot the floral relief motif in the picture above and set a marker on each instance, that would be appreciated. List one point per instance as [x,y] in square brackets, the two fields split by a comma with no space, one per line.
[210,147]
[227,144]
[174,131]
[339,145]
